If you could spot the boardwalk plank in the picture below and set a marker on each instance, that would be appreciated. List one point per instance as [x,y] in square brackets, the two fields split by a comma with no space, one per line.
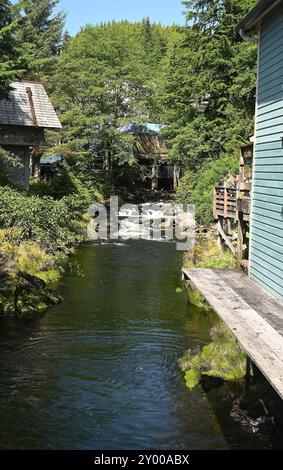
[253,316]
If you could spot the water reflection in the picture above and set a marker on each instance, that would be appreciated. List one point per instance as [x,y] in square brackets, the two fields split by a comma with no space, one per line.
[100,371]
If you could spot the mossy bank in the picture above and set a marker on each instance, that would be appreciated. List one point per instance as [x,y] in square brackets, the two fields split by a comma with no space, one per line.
[223,357]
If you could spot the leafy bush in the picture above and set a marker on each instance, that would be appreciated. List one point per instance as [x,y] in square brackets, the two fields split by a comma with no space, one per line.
[36,234]
[54,225]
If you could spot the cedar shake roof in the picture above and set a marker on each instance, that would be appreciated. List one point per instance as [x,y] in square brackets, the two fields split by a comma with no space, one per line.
[28,105]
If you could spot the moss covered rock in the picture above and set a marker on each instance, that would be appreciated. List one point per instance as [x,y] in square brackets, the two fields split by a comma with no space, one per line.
[223,357]
[192,378]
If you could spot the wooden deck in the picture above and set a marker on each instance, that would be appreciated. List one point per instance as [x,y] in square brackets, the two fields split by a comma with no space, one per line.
[251,313]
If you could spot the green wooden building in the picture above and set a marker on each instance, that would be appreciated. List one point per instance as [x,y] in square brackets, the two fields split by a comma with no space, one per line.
[266,251]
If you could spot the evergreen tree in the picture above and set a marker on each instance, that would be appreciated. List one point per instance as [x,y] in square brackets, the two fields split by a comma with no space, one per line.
[210,83]
[9,58]
[104,82]
[40,36]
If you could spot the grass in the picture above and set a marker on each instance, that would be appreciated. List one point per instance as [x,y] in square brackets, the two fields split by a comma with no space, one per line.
[222,357]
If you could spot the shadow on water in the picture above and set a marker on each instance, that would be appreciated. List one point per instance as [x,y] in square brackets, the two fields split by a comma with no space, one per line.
[100,370]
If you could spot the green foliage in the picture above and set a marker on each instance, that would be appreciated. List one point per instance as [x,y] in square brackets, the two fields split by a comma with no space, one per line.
[222,358]
[192,378]
[107,77]
[10,63]
[39,36]
[207,254]
[195,298]
[54,225]
[197,188]
[36,235]
[208,95]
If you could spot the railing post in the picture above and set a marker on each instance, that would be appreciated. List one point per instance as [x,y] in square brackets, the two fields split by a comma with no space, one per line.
[215,204]
[225,203]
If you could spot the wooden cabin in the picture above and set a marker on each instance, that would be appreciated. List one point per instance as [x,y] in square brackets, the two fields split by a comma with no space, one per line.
[151,151]
[24,115]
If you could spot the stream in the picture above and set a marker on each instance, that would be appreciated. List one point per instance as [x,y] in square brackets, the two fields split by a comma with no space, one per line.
[100,370]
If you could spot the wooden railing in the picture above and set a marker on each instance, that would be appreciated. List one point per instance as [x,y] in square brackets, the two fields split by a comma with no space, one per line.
[225,203]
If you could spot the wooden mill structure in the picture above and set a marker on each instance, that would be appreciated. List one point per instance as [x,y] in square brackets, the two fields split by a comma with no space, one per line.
[232,206]
[152,153]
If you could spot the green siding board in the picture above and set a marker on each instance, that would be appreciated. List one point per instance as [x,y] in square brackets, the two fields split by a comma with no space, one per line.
[271,272]
[275,207]
[262,199]
[271,71]
[268,237]
[274,184]
[270,222]
[268,146]
[269,153]
[272,80]
[267,106]
[261,254]
[271,122]
[263,215]
[269,284]
[273,260]
[272,43]
[267,40]
[269,164]
[269,130]
[269,83]
[266,257]
[270,58]
[274,93]
[270,24]
[267,114]
[271,280]
[270,253]
[274,273]
[268,244]
[268,139]
[266,228]
[271,61]
[272,192]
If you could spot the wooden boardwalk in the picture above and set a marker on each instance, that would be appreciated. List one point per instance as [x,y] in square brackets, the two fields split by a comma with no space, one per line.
[251,313]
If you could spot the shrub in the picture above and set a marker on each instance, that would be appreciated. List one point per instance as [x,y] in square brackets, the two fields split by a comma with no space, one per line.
[54,225]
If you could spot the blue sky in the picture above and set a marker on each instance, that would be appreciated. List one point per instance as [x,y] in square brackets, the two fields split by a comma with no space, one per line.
[81,12]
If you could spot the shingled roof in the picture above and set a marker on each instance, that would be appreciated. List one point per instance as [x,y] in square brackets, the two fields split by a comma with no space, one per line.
[28,105]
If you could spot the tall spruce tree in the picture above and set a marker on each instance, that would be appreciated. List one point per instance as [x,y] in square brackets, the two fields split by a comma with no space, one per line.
[210,83]
[9,57]
[40,36]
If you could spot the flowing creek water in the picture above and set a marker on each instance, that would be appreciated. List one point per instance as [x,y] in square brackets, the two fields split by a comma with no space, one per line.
[100,370]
